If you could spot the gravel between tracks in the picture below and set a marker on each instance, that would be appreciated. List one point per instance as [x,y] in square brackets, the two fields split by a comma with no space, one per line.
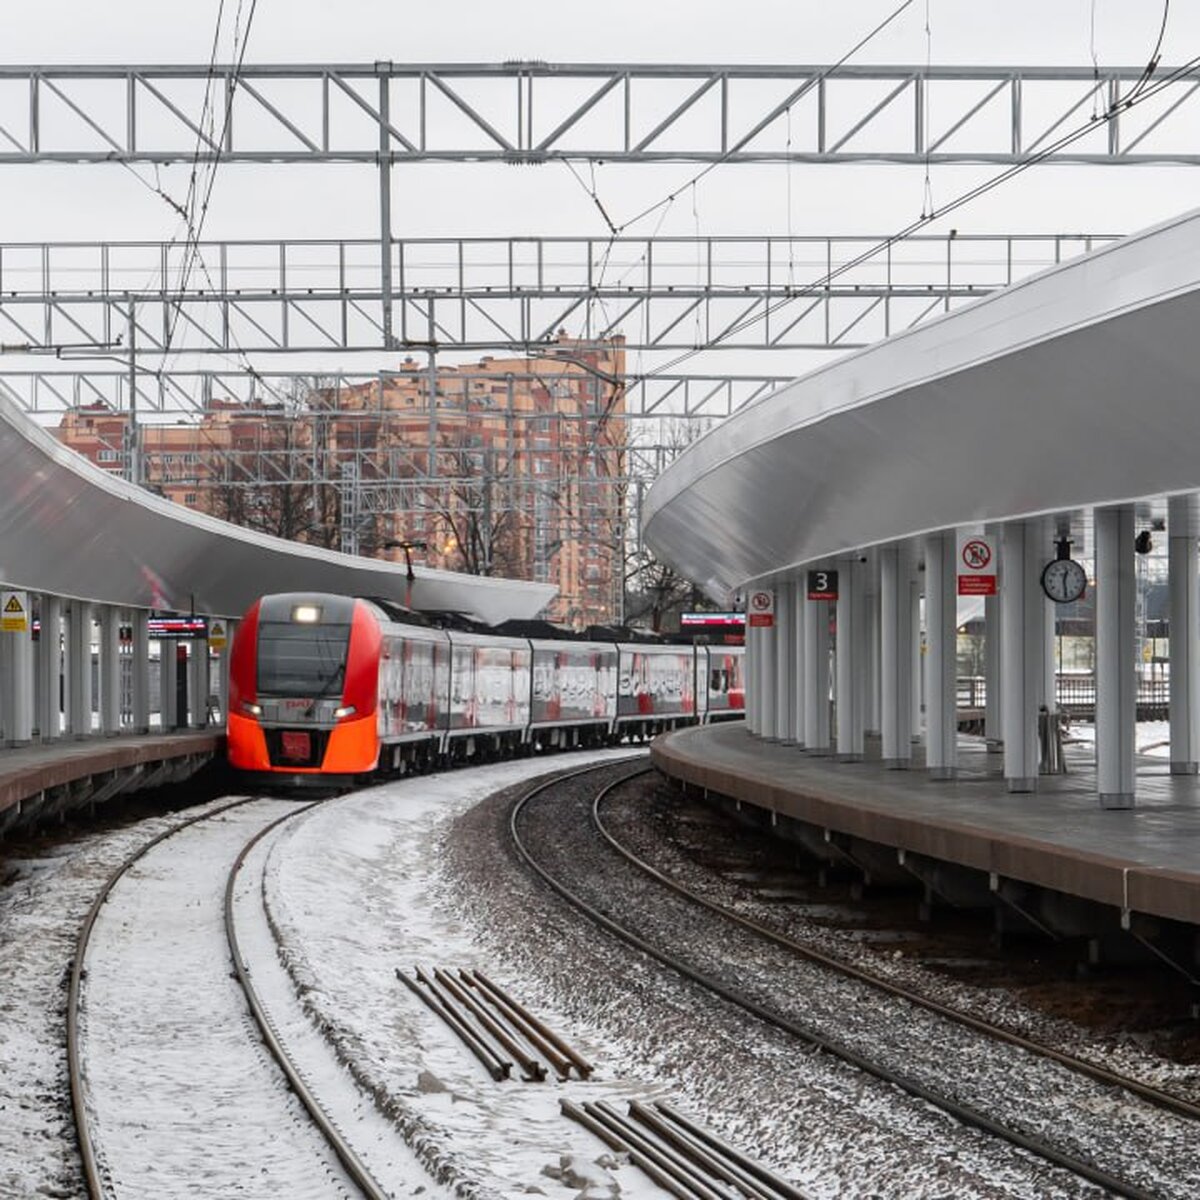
[646,817]
[837,1129]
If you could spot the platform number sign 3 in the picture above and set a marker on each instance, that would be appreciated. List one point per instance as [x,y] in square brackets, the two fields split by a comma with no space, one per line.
[822,585]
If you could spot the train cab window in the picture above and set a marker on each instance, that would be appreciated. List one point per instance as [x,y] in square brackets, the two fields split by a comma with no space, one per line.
[301,660]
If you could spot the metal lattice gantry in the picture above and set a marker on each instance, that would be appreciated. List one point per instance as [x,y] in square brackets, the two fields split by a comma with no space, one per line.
[473,294]
[533,112]
[184,393]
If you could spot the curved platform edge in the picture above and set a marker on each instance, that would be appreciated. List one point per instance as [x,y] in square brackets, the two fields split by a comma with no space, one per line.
[41,782]
[976,825]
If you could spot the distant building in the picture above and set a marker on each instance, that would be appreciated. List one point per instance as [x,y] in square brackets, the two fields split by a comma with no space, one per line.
[516,470]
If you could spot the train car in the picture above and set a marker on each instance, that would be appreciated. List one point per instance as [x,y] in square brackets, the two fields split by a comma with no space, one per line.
[490,682]
[720,683]
[655,688]
[337,688]
[574,697]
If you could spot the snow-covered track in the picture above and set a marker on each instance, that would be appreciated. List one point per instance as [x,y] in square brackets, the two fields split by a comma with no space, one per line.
[338,1143]
[565,848]
[171,1085]
[75,1069]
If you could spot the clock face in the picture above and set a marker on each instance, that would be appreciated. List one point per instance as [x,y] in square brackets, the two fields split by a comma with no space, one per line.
[1064,580]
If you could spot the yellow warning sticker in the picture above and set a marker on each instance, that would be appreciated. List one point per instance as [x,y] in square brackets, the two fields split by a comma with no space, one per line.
[218,639]
[14,612]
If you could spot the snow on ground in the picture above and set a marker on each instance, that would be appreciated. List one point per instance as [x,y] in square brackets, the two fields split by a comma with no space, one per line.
[349,889]
[376,881]
[1152,738]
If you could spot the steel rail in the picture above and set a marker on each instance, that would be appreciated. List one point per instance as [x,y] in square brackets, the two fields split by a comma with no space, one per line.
[353,1165]
[1144,1091]
[965,1113]
[75,1073]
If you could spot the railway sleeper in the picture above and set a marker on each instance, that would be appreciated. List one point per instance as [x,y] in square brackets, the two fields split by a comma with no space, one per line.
[678,1154]
[498,1030]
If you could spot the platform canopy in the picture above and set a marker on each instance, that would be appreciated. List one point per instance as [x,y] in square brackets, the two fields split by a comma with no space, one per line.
[1076,387]
[70,529]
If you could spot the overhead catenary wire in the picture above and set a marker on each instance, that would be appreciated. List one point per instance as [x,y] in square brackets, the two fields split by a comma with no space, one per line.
[664,204]
[1119,106]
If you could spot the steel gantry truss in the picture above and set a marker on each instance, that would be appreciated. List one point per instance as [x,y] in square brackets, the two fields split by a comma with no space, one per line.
[668,396]
[534,112]
[517,294]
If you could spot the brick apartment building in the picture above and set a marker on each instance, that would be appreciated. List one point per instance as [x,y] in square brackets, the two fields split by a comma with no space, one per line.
[516,470]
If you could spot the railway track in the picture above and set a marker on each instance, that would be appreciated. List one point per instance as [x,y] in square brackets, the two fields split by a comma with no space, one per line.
[757,945]
[98,1170]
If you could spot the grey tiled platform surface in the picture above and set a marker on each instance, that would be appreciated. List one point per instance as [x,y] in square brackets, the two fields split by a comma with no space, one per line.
[1146,859]
[30,770]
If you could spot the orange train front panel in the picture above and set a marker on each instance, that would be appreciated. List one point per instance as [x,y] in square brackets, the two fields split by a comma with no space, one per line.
[304,678]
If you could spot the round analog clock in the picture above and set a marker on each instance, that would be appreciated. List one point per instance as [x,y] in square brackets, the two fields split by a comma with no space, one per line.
[1064,580]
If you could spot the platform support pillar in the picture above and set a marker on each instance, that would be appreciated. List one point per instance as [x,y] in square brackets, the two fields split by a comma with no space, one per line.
[1116,652]
[873,708]
[110,670]
[168,684]
[1022,649]
[816,677]
[223,671]
[993,727]
[139,619]
[784,663]
[79,670]
[916,672]
[749,679]
[16,680]
[850,657]
[895,656]
[941,655]
[197,669]
[766,687]
[797,665]
[1183,552]
[49,667]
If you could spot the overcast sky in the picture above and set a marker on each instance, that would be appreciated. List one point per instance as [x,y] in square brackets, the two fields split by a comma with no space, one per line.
[106,202]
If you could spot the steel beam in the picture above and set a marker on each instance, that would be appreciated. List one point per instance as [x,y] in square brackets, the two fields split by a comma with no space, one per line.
[383,112]
[470,294]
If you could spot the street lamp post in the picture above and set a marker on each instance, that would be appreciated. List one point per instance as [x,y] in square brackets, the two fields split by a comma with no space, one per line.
[408,547]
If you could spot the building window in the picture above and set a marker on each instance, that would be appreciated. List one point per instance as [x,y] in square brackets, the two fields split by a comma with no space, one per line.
[189,498]
[109,456]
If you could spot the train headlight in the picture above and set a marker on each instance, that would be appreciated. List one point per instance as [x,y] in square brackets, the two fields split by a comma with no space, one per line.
[306,614]
[347,710]
[254,710]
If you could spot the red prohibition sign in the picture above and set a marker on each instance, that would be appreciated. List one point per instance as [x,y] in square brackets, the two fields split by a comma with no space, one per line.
[976,554]
[761,600]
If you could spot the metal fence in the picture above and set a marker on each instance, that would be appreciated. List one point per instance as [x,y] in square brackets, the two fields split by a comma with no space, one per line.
[1076,694]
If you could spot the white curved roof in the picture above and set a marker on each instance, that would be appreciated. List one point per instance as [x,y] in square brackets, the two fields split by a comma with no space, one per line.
[1075,387]
[68,528]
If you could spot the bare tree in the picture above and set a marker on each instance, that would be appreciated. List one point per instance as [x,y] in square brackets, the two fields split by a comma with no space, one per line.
[474,505]
[654,590]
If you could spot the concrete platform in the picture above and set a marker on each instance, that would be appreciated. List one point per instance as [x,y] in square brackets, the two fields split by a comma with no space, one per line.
[1143,862]
[41,781]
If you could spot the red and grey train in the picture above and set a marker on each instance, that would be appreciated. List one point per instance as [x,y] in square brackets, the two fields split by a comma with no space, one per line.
[334,686]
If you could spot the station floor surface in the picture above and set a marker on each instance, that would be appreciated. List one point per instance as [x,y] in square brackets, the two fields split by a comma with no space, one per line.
[1058,836]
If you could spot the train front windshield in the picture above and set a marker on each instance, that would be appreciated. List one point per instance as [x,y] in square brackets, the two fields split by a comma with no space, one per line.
[301,660]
